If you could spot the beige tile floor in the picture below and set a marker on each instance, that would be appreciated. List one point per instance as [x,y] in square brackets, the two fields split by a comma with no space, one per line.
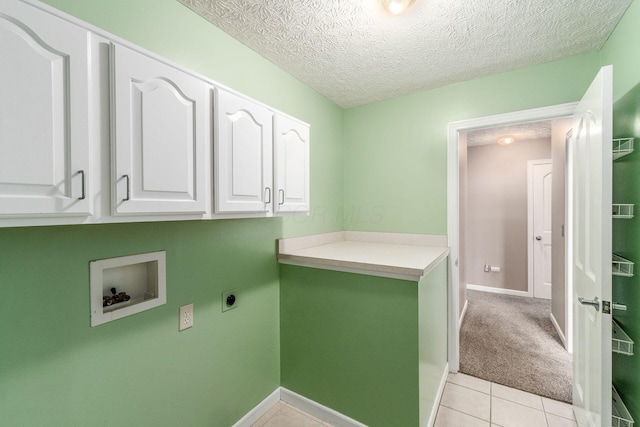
[466,402]
[470,401]
[284,415]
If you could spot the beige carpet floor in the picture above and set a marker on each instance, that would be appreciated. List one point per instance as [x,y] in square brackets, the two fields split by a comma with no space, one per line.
[511,341]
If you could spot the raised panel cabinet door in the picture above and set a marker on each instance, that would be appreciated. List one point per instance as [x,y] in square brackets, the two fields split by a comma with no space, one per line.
[291,163]
[242,155]
[160,136]
[44,104]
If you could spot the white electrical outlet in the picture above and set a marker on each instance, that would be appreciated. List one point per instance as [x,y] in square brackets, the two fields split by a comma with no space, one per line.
[186,317]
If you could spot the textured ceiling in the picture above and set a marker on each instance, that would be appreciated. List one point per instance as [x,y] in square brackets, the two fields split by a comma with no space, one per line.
[354,53]
[521,132]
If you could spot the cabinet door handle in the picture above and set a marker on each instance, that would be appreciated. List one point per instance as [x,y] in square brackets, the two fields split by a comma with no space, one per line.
[281,196]
[128,188]
[268,191]
[82,197]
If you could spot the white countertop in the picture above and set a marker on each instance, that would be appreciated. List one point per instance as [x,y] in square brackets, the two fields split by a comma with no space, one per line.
[394,255]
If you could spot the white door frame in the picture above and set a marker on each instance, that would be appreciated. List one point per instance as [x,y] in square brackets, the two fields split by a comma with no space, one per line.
[568,240]
[453,220]
[530,230]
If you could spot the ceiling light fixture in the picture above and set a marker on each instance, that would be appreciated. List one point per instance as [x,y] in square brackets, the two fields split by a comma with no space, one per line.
[506,140]
[396,7]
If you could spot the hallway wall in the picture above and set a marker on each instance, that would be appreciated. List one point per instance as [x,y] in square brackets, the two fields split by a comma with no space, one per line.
[559,129]
[497,212]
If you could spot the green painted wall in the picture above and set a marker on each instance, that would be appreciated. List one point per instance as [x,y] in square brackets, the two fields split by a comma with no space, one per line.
[626,234]
[621,51]
[57,371]
[369,347]
[396,151]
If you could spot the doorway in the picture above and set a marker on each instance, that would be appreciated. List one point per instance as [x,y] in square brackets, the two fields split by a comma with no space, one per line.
[457,289]
[508,337]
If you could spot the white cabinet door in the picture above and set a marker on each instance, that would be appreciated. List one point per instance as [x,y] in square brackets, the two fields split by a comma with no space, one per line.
[44,104]
[291,165]
[160,136]
[243,155]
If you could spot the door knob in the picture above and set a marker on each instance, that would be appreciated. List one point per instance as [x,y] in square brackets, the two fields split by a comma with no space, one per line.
[595,303]
[538,237]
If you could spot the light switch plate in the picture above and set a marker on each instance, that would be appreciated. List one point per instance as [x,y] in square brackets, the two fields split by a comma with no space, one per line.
[186,317]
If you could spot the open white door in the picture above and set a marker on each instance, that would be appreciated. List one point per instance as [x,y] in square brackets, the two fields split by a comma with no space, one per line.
[591,255]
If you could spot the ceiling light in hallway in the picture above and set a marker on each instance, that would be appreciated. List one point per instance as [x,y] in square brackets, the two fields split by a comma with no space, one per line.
[506,140]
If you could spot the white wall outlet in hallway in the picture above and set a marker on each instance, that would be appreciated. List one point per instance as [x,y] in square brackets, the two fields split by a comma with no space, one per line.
[186,317]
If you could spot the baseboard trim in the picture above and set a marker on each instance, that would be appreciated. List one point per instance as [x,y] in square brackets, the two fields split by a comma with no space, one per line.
[436,403]
[498,290]
[307,405]
[557,326]
[317,410]
[259,410]
[464,312]
[323,412]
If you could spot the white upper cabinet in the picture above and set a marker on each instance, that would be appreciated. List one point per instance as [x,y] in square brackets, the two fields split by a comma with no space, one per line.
[161,135]
[291,165]
[94,129]
[242,155]
[44,104]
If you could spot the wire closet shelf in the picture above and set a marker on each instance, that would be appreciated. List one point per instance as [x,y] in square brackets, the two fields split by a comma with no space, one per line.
[622,147]
[620,416]
[620,341]
[622,211]
[621,266]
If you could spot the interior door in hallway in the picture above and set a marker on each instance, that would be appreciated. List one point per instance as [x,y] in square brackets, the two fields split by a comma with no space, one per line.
[540,237]
[590,229]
